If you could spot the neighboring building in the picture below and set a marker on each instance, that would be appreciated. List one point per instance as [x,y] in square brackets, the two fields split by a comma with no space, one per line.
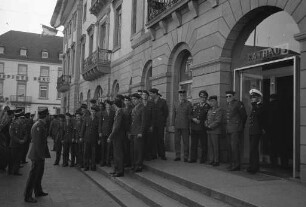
[30,65]
[191,44]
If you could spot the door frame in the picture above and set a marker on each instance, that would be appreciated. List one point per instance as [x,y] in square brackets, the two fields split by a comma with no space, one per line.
[296,101]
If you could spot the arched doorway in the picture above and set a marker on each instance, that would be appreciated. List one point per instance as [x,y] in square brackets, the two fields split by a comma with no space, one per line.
[264,55]
[98,93]
[88,97]
[147,75]
[115,89]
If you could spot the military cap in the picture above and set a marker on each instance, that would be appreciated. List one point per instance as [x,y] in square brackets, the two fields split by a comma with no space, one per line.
[230,92]
[95,108]
[107,101]
[146,92]
[204,93]
[255,92]
[43,112]
[182,91]
[93,101]
[10,112]
[136,95]
[118,102]
[27,115]
[213,98]
[154,90]
[84,106]
[68,114]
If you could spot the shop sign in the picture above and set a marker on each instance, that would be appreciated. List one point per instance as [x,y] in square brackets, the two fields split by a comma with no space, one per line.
[268,53]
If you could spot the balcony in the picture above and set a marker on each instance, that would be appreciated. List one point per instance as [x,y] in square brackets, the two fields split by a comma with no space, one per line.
[97,64]
[157,7]
[20,99]
[63,83]
[97,6]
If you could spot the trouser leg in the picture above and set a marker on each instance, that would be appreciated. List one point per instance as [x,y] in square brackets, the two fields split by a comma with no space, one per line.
[40,173]
[31,180]
[185,137]
[235,146]
[203,143]
[127,151]
[154,142]
[65,153]
[210,148]
[215,147]
[118,156]
[58,151]
[161,142]
[87,152]
[254,152]
[138,148]
[93,156]
[194,145]
[132,151]
[177,142]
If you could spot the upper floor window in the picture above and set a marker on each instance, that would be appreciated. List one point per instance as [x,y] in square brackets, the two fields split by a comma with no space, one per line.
[23,52]
[43,91]
[44,54]
[44,71]
[1,50]
[134,15]
[84,12]
[22,69]
[1,67]
[118,22]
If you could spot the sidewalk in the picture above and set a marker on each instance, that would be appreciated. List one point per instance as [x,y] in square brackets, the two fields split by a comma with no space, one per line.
[256,190]
[66,187]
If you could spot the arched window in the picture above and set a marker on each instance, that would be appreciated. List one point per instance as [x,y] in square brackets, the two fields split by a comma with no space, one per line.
[115,89]
[185,75]
[88,97]
[81,98]
[98,93]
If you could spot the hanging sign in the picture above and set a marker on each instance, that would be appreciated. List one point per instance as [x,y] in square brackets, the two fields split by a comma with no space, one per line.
[268,53]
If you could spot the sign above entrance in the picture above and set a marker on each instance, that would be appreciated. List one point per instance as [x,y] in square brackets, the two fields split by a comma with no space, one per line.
[269,53]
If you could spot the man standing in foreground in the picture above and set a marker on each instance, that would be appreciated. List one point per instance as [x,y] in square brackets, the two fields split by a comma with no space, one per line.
[38,152]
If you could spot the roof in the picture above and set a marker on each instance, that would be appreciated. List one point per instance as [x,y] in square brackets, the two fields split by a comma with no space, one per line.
[13,41]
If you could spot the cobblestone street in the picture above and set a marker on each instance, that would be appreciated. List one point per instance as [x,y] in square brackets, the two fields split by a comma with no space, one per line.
[66,187]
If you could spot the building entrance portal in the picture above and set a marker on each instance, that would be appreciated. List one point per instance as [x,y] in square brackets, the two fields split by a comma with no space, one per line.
[277,80]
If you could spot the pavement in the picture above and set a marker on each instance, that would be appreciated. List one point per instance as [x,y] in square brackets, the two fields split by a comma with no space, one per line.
[67,187]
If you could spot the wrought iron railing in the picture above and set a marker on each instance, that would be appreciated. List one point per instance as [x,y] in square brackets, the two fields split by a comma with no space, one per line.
[100,56]
[20,99]
[156,7]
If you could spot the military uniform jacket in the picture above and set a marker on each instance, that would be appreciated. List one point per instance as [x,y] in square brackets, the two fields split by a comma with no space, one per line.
[159,113]
[68,130]
[39,149]
[182,115]
[199,111]
[256,125]
[138,120]
[54,126]
[16,133]
[235,116]
[90,130]
[214,121]
[77,130]
[148,108]
[127,118]
[106,122]
[117,132]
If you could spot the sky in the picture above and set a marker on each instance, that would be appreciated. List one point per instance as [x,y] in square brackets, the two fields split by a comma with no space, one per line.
[25,15]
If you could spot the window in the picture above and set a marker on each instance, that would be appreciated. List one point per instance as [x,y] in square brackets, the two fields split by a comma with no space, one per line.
[103,36]
[134,15]
[44,71]
[44,54]
[1,50]
[1,67]
[117,33]
[185,75]
[1,88]
[84,12]
[59,72]
[43,91]
[22,69]
[21,91]
[23,52]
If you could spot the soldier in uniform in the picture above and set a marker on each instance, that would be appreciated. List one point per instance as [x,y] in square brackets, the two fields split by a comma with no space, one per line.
[148,128]
[90,134]
[16,143]
[213,124]
[105,128]
[116,136]
[182,117]
[76,136]
[59,137]
[28,125]
[160,113]
[67,141]
[198,131]
[37,154]
[54,125]
[127,110]
[136,133]
[256,129]
[235,121]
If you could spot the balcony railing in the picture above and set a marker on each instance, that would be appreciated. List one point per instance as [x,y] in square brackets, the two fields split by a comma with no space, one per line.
[97,64]
[97,5]
[63,83]
[20,99]
[156,7]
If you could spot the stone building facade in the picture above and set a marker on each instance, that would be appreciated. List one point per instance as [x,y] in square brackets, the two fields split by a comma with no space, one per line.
[195,45]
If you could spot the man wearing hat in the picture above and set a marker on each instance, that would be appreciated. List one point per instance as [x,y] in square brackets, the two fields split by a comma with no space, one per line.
[16,143]
[54,125]
[182,116]
[235,122]
[198,131]
[214,130]
[85,111]
[67,141]
[127,110]
[38,152]
[136,132]
[159,120]
[90,134]
[256,129]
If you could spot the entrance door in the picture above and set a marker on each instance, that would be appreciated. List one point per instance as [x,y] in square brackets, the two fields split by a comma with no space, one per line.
[278,143]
